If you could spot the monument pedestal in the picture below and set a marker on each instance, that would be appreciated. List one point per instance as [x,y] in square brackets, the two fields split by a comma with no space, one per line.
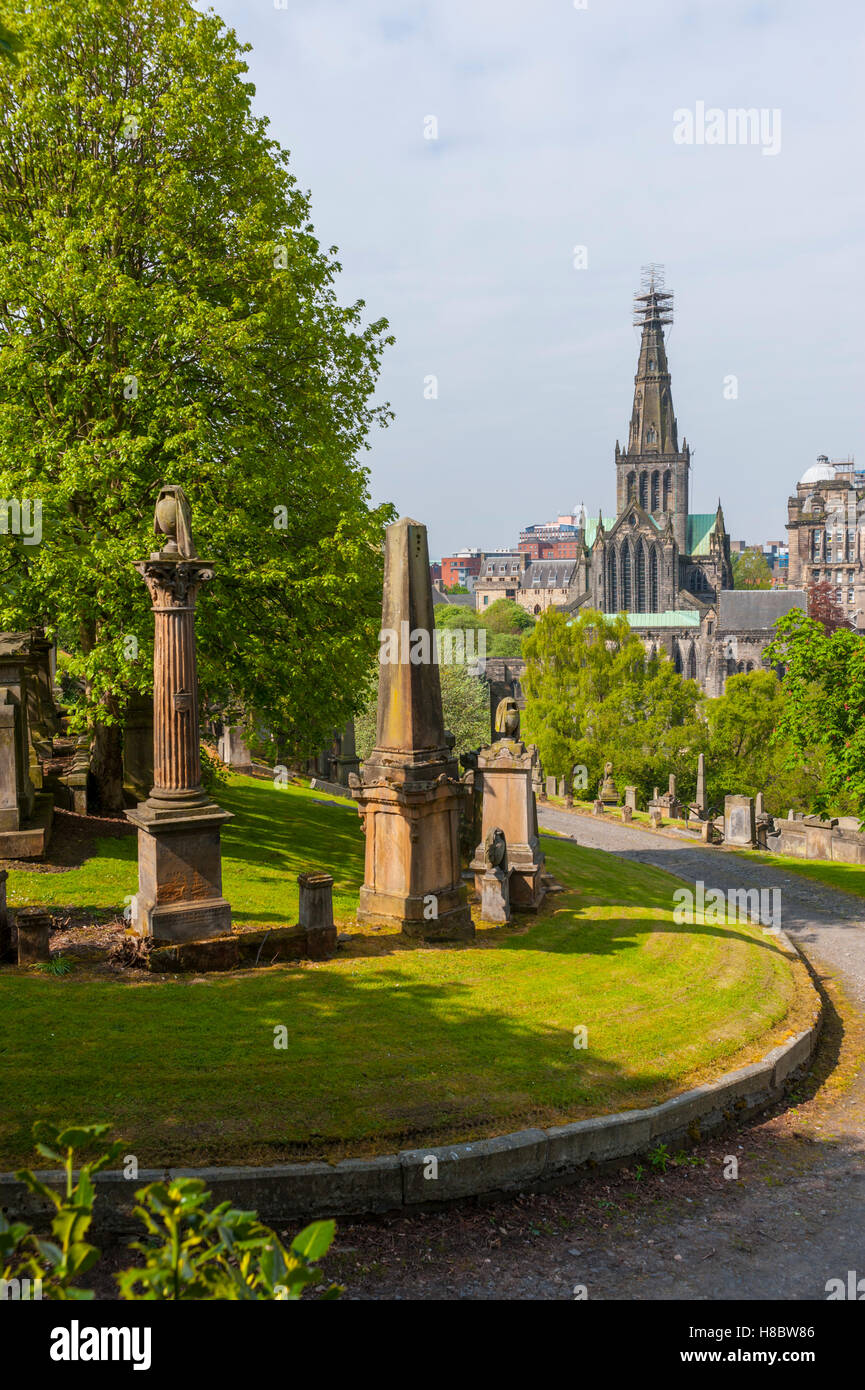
[412,875]
[179,894]
[505,770]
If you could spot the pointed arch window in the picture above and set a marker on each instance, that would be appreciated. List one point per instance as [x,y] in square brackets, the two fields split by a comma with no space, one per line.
[644,491]
[668,487]
[656,491]
[612,586]
[641,579]
[632,486]
[654,574]
[626,577]
[692,665]
[651,435]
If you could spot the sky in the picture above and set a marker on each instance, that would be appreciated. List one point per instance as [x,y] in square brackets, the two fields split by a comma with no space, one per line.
[458,152]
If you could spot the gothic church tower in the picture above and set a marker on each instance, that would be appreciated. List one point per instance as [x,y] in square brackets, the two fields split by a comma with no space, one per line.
[652,470]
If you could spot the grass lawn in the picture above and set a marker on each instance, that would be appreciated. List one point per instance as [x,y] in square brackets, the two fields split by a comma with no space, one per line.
[850,878]
[392,1044]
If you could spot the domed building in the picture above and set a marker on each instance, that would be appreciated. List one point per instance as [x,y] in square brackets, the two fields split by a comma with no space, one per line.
[826,529]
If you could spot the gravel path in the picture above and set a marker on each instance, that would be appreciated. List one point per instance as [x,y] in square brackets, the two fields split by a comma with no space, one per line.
[793,1219]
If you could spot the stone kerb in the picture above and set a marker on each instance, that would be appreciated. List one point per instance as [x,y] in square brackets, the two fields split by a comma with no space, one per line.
[420,1177]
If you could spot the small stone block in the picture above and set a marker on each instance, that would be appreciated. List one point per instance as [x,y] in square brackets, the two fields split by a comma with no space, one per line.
[34,933]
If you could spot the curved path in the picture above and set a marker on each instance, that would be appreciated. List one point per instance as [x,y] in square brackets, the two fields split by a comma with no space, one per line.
[793,1219]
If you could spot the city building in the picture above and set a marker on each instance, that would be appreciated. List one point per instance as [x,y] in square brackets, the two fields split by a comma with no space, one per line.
[826,531]
[461,568]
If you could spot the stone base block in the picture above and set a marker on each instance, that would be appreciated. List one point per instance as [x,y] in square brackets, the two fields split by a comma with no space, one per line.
[179,894]
[34,935]
[452,920]
[31,840]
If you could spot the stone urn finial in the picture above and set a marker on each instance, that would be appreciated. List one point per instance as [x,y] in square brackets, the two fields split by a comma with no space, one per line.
[173,519]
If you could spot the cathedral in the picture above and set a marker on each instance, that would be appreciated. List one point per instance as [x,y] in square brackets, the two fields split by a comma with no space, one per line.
[665,566]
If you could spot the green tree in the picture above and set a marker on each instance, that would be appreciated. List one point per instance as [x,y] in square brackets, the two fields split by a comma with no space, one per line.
[168,315]
[751,570]
[824,705]
[593,695]
[745,756]
[506,616]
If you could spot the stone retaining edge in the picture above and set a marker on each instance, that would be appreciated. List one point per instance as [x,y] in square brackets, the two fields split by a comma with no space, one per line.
[405,1181]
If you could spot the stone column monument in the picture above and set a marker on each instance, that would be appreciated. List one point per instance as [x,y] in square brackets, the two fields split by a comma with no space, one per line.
[179,853]
[409,796]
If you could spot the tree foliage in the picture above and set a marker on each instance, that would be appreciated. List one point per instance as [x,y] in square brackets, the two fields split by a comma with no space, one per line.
[593,695]
[824,705]
[751,570]
[824,607]
[168,315]
[745,754]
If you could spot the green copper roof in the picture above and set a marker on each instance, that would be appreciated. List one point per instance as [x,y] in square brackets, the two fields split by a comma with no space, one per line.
[697,536]
[673,617]
[592,528]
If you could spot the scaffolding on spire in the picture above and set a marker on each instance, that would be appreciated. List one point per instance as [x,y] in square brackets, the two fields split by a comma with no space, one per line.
[654,304]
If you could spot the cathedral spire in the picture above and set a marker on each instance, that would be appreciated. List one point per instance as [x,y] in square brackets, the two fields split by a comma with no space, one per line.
[653,424]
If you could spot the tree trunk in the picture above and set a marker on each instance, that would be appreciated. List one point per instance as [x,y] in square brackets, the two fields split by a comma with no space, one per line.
[107,764]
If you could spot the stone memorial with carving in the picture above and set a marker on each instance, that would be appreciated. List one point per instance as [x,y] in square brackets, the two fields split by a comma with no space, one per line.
[495,886]
[409,794]
[505,770]
[607,792]
[179,827]
[739,821]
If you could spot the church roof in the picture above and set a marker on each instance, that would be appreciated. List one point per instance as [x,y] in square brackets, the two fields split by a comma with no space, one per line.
[592,528]
[697,536]
[673,617]
[756,609]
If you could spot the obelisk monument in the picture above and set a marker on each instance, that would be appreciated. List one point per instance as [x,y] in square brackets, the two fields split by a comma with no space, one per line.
[179,852]
[409,795]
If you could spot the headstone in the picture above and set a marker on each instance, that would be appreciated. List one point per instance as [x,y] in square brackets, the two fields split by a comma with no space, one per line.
[739,821]
[315,913]
[597,808]
[409,794]
[25,816]
[347,762]
[607,792]
[232,748]
[551,786]
[137,748]
[700,799]
[631,798]
[655,818]
[627,813]
[34,935]
[707,832]
[179,894]
[671,789]
[758,804]
[506,769]
[561,787]
[494,881]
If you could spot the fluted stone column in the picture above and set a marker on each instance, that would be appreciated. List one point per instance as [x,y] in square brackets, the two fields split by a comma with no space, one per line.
[179,853]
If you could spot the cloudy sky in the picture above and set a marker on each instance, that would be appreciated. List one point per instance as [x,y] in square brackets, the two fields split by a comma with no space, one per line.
[555,130]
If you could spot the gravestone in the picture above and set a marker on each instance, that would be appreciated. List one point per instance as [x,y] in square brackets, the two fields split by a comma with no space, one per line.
[347,761]
[561,787]
[25,815]
[315,913]
[34,935]
[655,817]
[700,798]
[607,791]
[232,747]
[179,894]
[137,749]
[409,793]
[758,804]
[631,798]
[739,820]
[551,786]
[627,813]
[495,879]
[506,770]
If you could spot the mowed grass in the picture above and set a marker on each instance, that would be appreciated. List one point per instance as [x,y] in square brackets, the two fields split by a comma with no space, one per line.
[394,1044]
[849,878]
